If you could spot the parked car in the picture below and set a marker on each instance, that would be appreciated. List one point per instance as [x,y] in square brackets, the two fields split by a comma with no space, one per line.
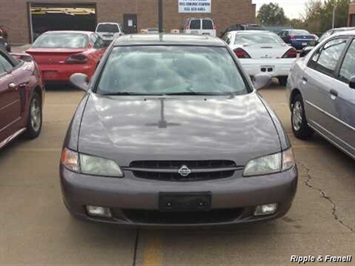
[332,31]
[4,44]
[200,26]
[21,98]
[262,52]
[298,38]
[243,27]
[321,92]
[172,132]
[59,54]
[108,31]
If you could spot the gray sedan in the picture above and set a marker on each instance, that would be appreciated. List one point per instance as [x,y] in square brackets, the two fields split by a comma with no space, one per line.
[172,132]
[321,92]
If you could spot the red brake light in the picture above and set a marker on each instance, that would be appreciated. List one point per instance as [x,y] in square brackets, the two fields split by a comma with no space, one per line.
[291,53]
[77,59]
[240,53]
[292,37]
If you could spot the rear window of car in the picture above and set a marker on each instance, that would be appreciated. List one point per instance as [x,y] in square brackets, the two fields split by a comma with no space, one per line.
[61,40]
[107,28]
[259,38]
[195,24]
[168,70]
[299,32]
[207,24]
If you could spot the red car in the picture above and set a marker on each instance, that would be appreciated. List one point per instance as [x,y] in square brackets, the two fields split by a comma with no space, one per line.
[59,54]
[21,98]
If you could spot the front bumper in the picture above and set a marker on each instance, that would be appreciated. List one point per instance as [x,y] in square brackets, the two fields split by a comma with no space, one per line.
[62,72]
[135,201]
[273,67]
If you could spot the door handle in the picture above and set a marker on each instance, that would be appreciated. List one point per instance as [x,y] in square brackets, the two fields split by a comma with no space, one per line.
[12,86]
[333,93]
[305,79]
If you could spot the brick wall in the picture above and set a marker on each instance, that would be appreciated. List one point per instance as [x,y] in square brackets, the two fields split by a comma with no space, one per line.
[352,14]
[14,14]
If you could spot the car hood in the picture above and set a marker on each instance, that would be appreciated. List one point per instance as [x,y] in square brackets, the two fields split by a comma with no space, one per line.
[126,128]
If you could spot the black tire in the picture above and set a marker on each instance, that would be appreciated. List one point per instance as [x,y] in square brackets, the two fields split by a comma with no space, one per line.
[35,117]
[299,124]
[282,80]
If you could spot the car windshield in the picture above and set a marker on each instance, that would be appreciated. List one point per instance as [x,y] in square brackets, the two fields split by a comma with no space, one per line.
[171,70]
[299,32]
[107,28]
[61,40]
[258,38]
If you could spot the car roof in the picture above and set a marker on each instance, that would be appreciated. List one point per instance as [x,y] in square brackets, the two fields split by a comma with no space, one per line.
[345,32]
[168,39]
[108,23]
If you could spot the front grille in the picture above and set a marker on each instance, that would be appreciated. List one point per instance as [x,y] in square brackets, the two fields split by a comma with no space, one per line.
[177,164]
[158,217]
[168,170]
[178,177]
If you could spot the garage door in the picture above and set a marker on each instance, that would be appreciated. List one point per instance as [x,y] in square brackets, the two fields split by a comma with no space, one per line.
[59,16]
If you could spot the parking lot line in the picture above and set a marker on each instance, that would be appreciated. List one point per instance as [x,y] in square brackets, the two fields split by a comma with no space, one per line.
[153,251]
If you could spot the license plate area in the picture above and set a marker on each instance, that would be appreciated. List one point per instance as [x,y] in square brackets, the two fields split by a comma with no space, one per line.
[50,74]
[304,44]
[184,202]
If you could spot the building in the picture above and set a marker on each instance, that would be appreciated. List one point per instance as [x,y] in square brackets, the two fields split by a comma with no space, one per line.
[352,13]
[24,20]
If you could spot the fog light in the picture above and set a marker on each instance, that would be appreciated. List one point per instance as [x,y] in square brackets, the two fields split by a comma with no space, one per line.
[266,209]
[98,211]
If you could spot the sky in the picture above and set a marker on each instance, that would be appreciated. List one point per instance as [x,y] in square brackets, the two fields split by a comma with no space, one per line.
[292,8]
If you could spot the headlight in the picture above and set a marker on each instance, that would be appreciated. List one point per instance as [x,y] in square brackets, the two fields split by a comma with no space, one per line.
[91,165]
[270,164]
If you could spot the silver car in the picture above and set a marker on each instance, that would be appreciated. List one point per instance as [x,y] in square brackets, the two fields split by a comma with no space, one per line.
[321,92]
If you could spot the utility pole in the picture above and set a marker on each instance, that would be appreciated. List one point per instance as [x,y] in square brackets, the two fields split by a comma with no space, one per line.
[333,21]
[160,15]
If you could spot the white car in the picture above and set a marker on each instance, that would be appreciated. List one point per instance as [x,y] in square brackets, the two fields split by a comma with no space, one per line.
[200,26]
[262,52]
[109,31]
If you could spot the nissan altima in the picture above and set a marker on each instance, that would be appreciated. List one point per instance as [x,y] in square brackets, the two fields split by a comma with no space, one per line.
[171,132]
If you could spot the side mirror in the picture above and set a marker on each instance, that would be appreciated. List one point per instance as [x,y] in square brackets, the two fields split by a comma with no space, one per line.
[80,81]
[261,81]
[305,51]
[352,82]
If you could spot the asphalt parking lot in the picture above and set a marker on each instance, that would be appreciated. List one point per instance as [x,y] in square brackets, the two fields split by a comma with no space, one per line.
[35,228]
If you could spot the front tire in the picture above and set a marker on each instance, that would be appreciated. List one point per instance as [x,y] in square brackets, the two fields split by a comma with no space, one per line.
[34,121]
[299,124]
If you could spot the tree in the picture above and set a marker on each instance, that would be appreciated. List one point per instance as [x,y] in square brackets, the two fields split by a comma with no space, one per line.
[319,14]
[271,15]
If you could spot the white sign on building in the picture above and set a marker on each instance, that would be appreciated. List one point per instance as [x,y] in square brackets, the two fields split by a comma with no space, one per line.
[195,6]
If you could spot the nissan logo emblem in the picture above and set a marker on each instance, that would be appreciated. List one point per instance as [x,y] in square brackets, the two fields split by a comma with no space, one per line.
[184,171]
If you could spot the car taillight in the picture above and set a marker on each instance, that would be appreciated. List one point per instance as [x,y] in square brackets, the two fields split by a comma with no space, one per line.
[240,53]
[292,37]
[291,53]
[77,59]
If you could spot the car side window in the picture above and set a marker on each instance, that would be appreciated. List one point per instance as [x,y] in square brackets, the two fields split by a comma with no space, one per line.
[5,65]
[347,69]
[93,38]
[227,38]
[326,58]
